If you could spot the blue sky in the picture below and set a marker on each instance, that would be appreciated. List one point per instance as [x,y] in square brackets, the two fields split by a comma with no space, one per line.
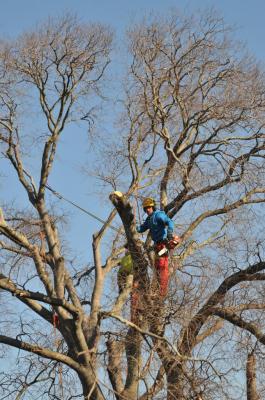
[16,16]
[248,15]
[20,15]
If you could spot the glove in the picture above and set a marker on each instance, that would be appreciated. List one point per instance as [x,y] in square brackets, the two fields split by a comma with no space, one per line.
[170,236]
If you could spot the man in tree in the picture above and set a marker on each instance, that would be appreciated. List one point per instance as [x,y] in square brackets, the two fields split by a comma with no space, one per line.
[125,277]
[125,270]
[161,230]
[192,131]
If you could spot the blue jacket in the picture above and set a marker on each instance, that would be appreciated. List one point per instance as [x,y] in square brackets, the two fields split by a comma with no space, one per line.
[159,224]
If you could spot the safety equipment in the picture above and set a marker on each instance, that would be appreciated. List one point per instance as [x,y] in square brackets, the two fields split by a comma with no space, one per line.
[148,202]
[161,266]
[162,250]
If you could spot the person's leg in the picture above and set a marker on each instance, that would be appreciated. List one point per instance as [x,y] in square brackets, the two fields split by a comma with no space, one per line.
[161,265]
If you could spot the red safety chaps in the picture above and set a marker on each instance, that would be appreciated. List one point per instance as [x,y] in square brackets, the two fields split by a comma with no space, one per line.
[162,271]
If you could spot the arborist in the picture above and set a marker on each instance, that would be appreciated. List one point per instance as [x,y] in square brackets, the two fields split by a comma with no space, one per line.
[161,230]
[124,276]
[125,270]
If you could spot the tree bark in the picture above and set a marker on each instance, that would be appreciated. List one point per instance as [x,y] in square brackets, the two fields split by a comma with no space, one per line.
[133,353]
[251,378]
[91,389]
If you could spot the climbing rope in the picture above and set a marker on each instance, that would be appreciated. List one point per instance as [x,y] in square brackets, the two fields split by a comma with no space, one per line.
[92,215]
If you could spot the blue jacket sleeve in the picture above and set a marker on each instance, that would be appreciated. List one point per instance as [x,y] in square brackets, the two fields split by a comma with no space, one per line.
[142,228]
[166,221]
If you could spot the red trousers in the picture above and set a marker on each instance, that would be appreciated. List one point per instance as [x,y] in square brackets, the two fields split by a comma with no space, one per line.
[161,266]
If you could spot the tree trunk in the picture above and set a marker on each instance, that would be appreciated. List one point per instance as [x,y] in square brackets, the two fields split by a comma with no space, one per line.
[133,353]
[251,378]
[91,390]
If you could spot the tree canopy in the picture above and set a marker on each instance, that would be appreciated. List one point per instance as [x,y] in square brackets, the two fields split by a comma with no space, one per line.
[189,132]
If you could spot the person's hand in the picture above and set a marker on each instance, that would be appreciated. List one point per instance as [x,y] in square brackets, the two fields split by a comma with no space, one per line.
[176,238]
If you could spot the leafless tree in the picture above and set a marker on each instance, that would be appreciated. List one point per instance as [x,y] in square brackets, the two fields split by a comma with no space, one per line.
[194,113]
[59,65]
[191,136]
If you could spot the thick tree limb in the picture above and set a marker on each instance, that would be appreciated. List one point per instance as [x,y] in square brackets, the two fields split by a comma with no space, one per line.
[252,393]
[189,334]
[41,351]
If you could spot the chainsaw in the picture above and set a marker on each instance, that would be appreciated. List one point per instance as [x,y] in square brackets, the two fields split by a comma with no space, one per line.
[163,248]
